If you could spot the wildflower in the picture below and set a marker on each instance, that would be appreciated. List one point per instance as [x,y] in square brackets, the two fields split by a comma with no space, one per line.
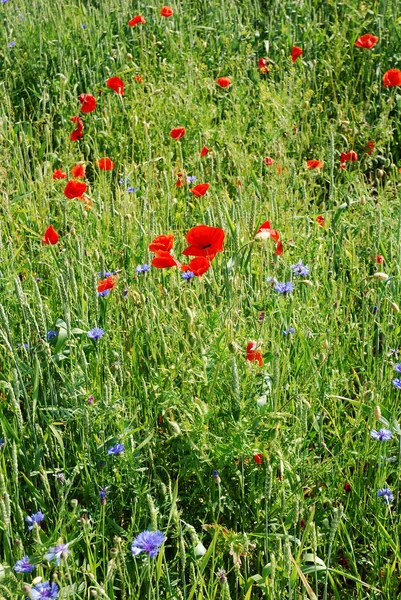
[392,78]
[300,269]
[136,21]
[88,103]
[191,179]
[204,241]
[366,41]
[198,266]
[91,399]
[254,355]
[320,220]
[216,477]
[34,518]
[123,181]
[397,367]
[224,82]
[77,133]
[162,242]
[142,268]
[60,477]
[204,151]
[116,450]
[12,44]
[370,146]
[379,259]
[164,260]
[2,443]
[101,463]
[177,133]
[74,189]
[383,435]
[149,542]
[394,352]
[106,284]
[288,331]
[139,79]
[200,189]
[345,157]
[51,335]
[44,591]
[84,26]
[221,576]
[59,174]
[284,287]
[296,53]
[78,171]
[188,275]
[347,487]
[269,161]
[102,495]
[271,280]
[105,164]
[258,458]
[132,190]
[397,383]
[116,84]
[50,236]
[314,164]
[386,494]
[262,65]
[375,309]
[58,552]
[166,11]
[261,317]
[23,565]
[95,334]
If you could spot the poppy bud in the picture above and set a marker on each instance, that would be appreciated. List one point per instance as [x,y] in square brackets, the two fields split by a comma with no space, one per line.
[36,580]
[377,413]
[395,307]
[380,276]
[129,56]
[379,174]
[307,282]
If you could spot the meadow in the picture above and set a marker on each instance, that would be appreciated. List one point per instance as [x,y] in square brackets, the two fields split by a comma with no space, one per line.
[200,251]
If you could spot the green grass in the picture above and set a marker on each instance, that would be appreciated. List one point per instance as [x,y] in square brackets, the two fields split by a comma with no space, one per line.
[170,377]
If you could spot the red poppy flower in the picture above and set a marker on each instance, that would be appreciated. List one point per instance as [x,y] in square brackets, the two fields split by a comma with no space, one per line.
[116,84]
[59,174]
[366,41]
[138,78]
[204,151]
[266,230]
[74,189]
[379,259]
[105,284]
[164,260]
[204,241]
[50,236]
[296,53]
[343,562]
[78,171]
[224,82]
[198,266]
[269,161]
[370,146]
[320,220]
[88,103]
[177,133]
[180,182]
[314,164]
[105,164]
[136,20]
[392,78]
[350,156]
[279,248]
[162,242]
[200,189]
[254,355]
[347,487]
[166,11]
[258,458]
[77,133]
[262,65]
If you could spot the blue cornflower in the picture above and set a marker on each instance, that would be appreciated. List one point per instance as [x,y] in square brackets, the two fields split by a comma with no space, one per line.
[397,383]
[125,293]
[382,435]
[2,443]
[25,345]
[34,518]
[284,287]
[117,449]
[216,477]
[149,542]
[61,550]
[271,280]
[397,367]
[187,275]
[105,274]
[23,565]
[375,309]
[51,334]
[289,330]
[142,268]
[4,2]
[132,190]
[191,179]
[104,293]
[84,26]
[386,494]
[95,334]
[300,269]
[123,181]
[102,495]
[101,463]
[44,591]
[12,44]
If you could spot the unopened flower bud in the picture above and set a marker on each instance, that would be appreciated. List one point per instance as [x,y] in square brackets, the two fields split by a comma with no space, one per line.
[395,307]
[36,580]
[307,282]
[377,413]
